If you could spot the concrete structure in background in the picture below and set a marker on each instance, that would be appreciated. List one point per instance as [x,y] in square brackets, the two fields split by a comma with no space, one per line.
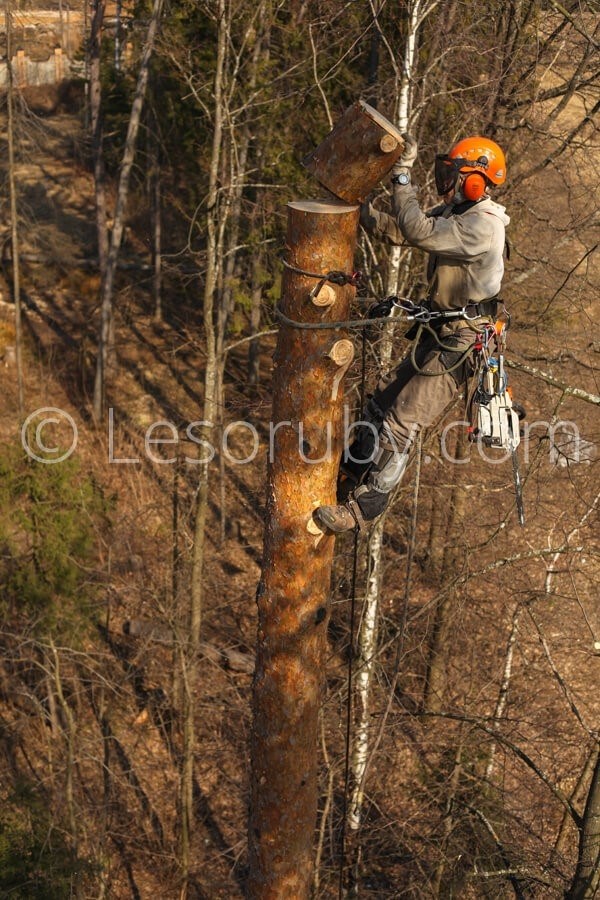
[49,44]
[33,72]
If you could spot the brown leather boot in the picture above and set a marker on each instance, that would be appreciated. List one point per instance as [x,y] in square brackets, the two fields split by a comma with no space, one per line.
[368,501]
[338,519]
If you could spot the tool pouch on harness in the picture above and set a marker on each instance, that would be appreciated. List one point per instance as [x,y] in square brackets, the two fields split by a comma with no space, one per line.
[451,360]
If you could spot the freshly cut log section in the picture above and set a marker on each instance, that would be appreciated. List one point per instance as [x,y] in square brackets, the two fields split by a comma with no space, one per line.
[357,154]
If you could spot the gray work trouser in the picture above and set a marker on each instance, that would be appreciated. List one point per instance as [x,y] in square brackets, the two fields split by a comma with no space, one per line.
[410,400]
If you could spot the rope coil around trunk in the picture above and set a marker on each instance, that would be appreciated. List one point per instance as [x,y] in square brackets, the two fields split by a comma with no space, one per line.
[334,277]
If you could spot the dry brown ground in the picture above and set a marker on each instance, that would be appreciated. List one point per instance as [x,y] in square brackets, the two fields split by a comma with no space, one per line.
[160,367]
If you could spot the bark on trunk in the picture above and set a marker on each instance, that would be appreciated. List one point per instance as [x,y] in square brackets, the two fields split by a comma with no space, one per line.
[293,595]
[414,20]
[586,881]
[216,218]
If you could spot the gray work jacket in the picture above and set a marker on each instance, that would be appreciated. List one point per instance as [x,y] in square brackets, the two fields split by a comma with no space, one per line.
[466,261]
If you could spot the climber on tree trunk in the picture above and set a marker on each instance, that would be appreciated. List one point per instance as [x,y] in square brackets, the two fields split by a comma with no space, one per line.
[465,239]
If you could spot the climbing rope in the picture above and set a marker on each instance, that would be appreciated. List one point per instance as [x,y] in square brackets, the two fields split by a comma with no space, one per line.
[331,326]
[365,323]
[333,277]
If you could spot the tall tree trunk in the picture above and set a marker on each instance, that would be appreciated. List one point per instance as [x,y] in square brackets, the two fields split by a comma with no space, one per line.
[14,221]
[106,308]
[586,881]
[118,8]
[365,666]
[214,236]
[156,206]
[293,594]
[414,11]
[95,98]
[367,638]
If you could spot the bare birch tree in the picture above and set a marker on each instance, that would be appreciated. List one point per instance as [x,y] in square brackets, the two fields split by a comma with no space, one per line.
[367,638]
[108,275]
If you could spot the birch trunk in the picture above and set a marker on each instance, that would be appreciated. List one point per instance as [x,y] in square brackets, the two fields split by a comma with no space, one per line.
[367,638]
[108,280]
[404,106]
[367,647]
[214,219]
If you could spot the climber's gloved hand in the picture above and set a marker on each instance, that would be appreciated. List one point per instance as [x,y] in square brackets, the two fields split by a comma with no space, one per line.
[409,154]
[382,309]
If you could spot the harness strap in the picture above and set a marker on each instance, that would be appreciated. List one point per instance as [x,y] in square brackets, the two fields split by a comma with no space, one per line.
[357,513]
[423,313]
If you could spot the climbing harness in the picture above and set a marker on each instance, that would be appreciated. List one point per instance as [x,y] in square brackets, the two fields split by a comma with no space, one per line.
[422,313]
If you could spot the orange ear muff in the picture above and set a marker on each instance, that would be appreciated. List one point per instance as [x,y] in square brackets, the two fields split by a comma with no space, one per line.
[473,187]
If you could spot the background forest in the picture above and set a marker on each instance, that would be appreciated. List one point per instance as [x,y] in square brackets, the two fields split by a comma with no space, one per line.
[143,217]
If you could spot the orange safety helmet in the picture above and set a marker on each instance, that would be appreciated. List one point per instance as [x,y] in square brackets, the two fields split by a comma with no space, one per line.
[479,158]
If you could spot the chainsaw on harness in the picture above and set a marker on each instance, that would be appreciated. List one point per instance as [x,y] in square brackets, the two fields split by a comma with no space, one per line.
[494,417]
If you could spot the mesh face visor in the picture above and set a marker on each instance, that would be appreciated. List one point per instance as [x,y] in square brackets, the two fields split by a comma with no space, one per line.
[446,173]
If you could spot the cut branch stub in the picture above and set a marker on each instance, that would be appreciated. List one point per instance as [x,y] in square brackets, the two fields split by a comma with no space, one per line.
[357,154]
[342,354]
[325,297]
[293,595]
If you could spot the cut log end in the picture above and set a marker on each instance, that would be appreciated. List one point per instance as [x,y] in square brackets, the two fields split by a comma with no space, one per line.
[384,123]
[342,352]
[325,297]
[324,207]
[388,143]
